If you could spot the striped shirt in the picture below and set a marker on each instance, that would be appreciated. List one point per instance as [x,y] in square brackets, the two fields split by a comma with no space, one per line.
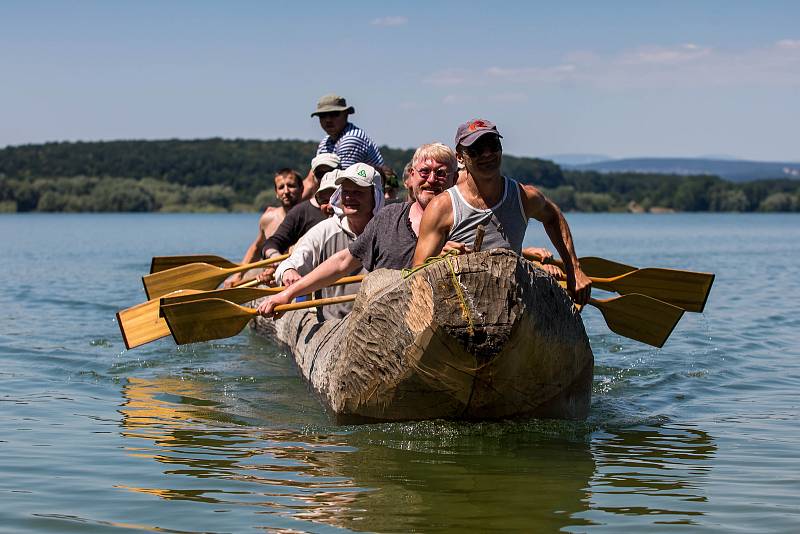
[353,146]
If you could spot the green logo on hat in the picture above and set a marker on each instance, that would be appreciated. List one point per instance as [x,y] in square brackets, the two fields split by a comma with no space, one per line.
[362,173]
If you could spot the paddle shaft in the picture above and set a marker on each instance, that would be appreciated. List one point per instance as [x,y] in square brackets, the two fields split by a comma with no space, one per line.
[252,293]
[195,276]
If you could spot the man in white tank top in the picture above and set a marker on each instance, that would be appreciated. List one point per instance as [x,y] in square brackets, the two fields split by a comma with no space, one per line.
[484,195]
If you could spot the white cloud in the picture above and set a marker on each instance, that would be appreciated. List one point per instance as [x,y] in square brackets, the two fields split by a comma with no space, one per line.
[791,44]
[390,21]
[685,65]
[448,77]
[666,55]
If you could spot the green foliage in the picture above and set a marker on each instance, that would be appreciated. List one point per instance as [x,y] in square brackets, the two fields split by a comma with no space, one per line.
[121,195]
[234,174]
[780,202]
[264,199]
[594,202]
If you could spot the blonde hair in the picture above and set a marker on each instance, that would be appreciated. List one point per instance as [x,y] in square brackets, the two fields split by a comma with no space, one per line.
[438,152]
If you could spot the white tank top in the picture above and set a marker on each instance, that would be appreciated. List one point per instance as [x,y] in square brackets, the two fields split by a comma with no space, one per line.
[505,223]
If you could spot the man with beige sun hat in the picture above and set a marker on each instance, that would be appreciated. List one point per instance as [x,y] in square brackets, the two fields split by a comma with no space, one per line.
[349,142]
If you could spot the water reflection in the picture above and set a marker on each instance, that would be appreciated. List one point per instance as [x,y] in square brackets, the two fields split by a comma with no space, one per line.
[428,476]
[655,471]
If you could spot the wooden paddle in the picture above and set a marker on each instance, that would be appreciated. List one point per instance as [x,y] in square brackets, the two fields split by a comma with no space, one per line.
[144,322]
[639,317]
[591,265]
[242,295]
[207,319]
[196,276]
[162,263]
[686,289]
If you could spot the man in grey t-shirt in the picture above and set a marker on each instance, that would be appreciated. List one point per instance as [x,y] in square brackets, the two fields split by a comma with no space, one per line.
[390,238]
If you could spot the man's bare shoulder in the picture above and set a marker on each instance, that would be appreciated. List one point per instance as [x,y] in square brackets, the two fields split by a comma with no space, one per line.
[440,206]
[271,219]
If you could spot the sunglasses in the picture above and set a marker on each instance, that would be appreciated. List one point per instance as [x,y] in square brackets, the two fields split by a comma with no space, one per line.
[329,114]
[491,143]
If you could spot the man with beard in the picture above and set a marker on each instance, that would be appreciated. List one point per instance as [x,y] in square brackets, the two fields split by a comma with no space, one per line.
[360,196]
[288,190]
[390,238]
[483,197]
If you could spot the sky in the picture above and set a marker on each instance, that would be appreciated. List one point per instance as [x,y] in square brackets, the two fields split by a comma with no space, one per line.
[617,78]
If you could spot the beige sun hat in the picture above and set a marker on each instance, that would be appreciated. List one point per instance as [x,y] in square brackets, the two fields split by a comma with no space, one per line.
[332,102]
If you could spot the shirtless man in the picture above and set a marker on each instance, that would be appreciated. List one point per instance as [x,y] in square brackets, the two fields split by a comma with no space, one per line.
[288,190]
[484,197]
[390,238]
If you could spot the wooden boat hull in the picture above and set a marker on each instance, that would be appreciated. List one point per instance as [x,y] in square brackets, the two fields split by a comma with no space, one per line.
[480,336]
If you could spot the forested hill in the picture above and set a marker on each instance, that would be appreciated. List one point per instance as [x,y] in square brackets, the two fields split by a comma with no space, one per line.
[245,165]
[237,175]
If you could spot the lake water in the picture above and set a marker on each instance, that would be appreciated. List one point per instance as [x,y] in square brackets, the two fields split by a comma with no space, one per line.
[701,435]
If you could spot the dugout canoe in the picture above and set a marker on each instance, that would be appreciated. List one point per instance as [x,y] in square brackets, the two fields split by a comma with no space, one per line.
[474,337]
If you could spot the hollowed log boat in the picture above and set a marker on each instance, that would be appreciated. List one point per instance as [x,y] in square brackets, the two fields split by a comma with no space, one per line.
[474,337]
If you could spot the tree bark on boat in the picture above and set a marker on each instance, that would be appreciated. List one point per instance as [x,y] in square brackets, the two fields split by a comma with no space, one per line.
[479,336]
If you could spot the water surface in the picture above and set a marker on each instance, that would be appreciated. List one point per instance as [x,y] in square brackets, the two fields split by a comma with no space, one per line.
[224,436]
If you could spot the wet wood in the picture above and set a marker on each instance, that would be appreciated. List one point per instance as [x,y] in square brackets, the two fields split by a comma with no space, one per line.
[481,336]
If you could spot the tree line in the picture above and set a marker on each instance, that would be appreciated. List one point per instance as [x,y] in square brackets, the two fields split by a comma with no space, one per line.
[237,175]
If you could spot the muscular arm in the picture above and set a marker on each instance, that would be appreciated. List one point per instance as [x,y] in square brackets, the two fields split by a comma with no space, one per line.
[434,229]
[539,207]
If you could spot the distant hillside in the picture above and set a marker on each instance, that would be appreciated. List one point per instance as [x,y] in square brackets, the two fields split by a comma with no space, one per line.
[245,165]
[577,159]
[237,175]
[733,170]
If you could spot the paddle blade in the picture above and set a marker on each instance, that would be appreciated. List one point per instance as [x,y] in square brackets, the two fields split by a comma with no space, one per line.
[686,289]
[204,320]
[143,323]
[603,268]
[640,317]
[193,276]
[162,263]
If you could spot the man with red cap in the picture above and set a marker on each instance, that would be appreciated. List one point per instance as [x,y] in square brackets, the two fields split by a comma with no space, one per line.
[501,205]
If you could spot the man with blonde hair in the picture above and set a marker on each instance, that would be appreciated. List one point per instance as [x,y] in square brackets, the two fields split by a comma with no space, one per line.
[390,238]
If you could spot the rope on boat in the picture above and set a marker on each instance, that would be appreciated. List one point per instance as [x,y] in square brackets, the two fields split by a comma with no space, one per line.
[465,311]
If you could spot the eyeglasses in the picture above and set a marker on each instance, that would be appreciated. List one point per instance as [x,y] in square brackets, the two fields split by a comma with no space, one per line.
[439,173]
[489,142]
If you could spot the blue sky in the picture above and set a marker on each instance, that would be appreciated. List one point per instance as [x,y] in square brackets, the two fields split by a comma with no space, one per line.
[623,79]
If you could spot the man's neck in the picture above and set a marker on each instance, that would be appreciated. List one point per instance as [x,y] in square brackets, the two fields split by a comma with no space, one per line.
[357,223]
[336,137]
[482,191]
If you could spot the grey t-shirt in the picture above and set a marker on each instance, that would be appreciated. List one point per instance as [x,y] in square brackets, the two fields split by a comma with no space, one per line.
[388,240]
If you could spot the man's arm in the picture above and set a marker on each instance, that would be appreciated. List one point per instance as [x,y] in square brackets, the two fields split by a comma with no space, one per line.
[539,207]
[285,236]
[437,220]
[310,185]
[324,275]
[253,253]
